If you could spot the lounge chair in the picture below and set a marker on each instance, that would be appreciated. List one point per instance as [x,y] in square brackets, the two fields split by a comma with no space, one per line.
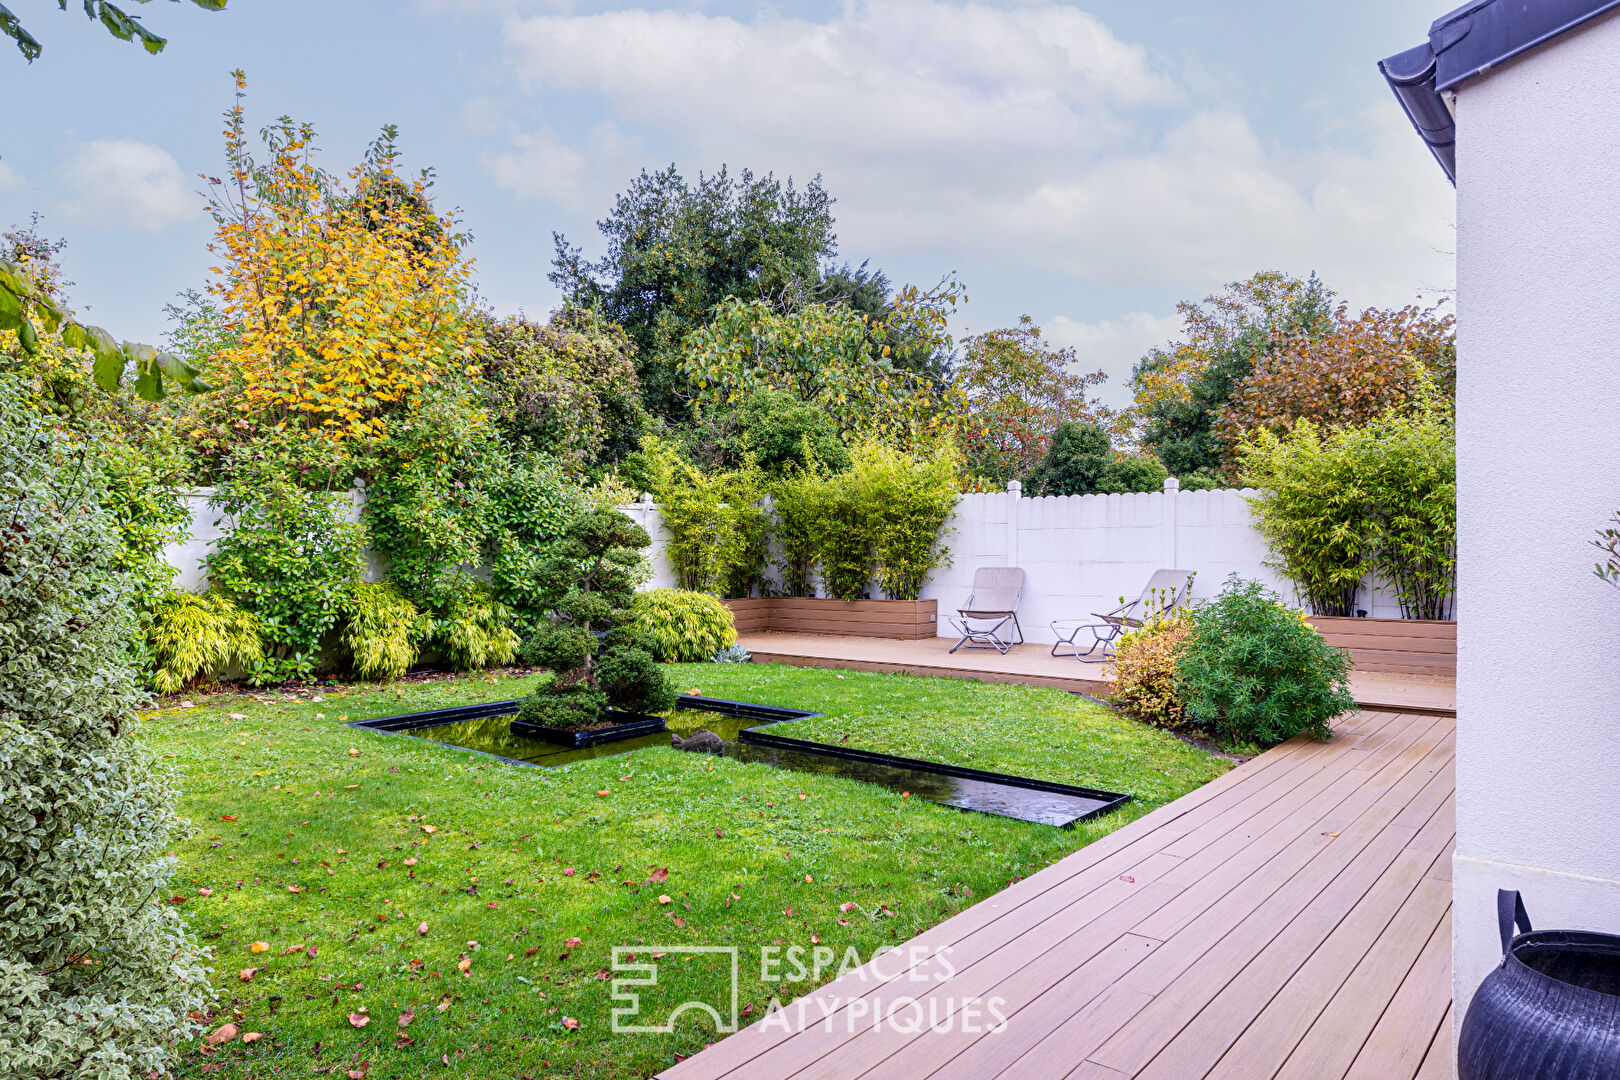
[1166,590]
[991,610]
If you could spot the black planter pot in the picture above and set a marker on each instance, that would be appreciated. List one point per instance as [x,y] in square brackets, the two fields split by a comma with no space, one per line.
[626,726]
[1550,1012]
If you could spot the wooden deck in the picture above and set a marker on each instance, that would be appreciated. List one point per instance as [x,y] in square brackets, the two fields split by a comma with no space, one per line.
[1288,920]
[1033,664]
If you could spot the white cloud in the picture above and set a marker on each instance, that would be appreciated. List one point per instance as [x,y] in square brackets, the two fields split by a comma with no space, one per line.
[542,166]
[1023,137]
[126,183]
[1113,345]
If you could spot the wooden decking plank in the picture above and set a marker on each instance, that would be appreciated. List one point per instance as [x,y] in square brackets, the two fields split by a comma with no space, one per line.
[1440,1062]
[955,1056]
[1337,872]
[1343,920]
[1413,1037]
[1316,1025]
[1213,905]
[1046,951]
[1067,1047]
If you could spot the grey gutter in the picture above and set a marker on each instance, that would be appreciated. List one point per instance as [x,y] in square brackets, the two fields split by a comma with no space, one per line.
[1468,43]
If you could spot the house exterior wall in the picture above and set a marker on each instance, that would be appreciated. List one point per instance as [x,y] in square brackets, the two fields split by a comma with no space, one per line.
[1538,472]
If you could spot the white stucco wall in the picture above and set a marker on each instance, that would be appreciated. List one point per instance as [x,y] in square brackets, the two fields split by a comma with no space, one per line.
[1538,455]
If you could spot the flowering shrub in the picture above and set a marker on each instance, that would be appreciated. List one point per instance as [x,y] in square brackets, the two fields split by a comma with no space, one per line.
[681,626]
[1144,670]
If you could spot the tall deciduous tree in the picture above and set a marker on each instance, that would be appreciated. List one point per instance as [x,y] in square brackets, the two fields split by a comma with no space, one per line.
[1019,387]
[342,297]
[1181,388]
[119,23]
[1353,373]
[675,250]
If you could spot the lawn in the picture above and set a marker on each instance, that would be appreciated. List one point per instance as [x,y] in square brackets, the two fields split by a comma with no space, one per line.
[420,904]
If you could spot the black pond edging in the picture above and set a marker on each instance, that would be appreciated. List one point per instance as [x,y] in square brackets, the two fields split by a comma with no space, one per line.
[630,726]
[770,716]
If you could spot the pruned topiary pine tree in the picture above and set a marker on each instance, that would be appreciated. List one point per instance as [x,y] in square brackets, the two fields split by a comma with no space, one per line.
[589,579]
[97,974]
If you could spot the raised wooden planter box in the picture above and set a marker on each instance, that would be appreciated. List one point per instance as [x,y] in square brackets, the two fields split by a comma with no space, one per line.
[851,618]
[1406,646]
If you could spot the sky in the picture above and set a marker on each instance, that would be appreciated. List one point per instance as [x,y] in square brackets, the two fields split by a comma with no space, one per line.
[1088,164]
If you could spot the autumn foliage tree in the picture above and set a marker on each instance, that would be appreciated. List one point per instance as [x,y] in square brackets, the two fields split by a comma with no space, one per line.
[1354,373]
[1019,388]
[342,296]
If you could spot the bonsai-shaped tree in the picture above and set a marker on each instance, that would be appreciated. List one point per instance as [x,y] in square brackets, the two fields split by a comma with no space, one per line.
[588,580]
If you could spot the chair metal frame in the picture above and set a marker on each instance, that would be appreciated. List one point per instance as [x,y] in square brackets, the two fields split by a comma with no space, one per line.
[1115,623]
[983,629]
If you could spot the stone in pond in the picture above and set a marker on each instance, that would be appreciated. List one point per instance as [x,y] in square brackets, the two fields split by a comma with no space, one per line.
[701,741]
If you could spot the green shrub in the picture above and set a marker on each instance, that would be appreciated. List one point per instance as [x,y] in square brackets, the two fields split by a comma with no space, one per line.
[1337,505]
[796,508]
[191,636]
[382,631]
[588,579]
[531,502]
[843,536]
[96,977]
[716,526]
[1255,672]
[1132,472]
[908,500]
[478,632]
[681,626]
[289,554]
[1074,463]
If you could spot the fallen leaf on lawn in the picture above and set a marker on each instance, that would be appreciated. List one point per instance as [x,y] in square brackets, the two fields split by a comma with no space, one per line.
[570,1023]
[604,793]
[295,888]
[657,956]
[571,943]
[246,974]
[748,1009]
[359,1020]
[848,906]
[410,862]
[350,787]
[406,1017]
[568,871]
[802,795]
[421,928]
[659,875]
[430,828]
[252,1036]
[464,965]
[353,752]
[443,1005]
[310,950]
[227,817]
[224,1035]
[808,880]
[238,716]
[259,946]
[356,1074]
[205,892]
[663,899]
[842,921]
[679,921]
[531,950]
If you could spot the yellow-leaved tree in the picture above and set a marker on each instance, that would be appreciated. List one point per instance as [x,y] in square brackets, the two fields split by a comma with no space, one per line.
[342,297]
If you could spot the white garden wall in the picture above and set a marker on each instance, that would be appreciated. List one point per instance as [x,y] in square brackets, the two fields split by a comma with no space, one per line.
[1082,553]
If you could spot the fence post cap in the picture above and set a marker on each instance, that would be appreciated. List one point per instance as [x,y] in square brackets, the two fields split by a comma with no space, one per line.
[1172,484]
[1014,487]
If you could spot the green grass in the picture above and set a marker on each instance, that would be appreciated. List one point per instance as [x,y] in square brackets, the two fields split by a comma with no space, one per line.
[284,797]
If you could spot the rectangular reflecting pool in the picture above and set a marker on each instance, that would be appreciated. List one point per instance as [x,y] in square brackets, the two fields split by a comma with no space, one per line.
[757,733]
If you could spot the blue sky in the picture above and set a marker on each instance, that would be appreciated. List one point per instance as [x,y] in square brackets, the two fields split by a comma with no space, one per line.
[1087,164]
